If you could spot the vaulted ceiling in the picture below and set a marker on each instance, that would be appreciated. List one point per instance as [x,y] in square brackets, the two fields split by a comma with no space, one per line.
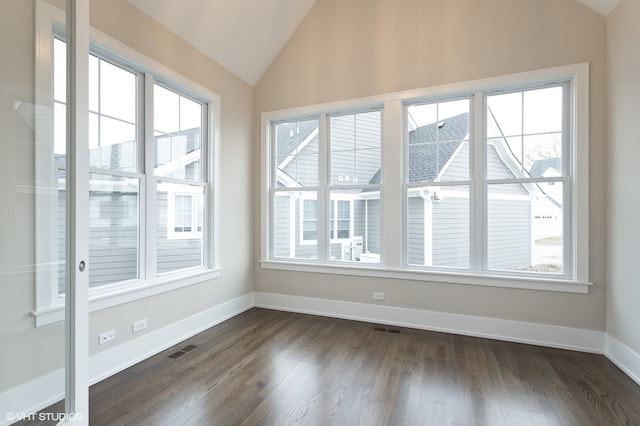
[245,36]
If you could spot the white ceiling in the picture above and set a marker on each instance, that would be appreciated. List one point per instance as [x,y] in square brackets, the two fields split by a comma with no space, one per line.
[245,36]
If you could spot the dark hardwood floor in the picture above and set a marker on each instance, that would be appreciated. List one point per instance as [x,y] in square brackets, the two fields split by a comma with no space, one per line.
[267,367]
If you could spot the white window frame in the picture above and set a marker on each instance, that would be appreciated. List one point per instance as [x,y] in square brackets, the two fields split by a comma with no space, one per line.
[49,303]
[393,254]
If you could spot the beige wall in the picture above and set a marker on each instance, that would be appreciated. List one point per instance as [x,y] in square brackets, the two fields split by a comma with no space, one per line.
[40,350]
[623,195]
[352,48]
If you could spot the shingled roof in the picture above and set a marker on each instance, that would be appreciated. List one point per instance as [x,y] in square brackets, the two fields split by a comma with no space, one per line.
[540,166]
[285,143]
[427,158]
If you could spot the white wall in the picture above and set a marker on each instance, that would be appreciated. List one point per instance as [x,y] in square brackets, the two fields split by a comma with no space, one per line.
[353,48]
[623,178]
[37,351]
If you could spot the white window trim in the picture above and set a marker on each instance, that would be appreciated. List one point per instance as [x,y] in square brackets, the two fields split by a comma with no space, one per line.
[49,306]
[392,263]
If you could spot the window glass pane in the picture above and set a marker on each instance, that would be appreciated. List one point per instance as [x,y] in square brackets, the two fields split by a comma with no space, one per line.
[438,226]
[179,243]
[182,213]
[543,110]
[117,145]
[113,229]
[178,136]
[543,155]
[355,148]
[59,70]
[295,225]
[117,92]
[59,129]
[504,158]
[166,110]
[94,84]
[112,118]
[525,231]
[438,141]
[504,115]
[296,154]
[355,225]
[525,134]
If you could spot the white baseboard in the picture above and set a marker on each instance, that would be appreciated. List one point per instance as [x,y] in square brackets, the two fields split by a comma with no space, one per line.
[624,357]
[513,331]
[46,390]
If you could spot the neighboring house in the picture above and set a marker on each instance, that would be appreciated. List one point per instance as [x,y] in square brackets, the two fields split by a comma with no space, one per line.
[438,215]
[114,210]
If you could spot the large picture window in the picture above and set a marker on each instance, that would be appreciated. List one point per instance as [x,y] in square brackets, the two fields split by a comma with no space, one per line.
[151,179]
[493,176]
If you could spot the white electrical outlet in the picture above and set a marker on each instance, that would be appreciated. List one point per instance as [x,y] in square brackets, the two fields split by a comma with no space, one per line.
[378,295]
[107,336]
[139,325]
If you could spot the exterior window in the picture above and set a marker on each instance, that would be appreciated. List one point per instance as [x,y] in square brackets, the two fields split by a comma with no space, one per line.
[487,185]
[152,195]
[185,216]
[309,220]
[340,219]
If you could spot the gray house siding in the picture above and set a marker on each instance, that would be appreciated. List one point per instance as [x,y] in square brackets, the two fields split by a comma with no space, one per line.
[174,254]
[372,236]
[282,237]
[113,246]
[509,239]
[509,219]
[415,231]
[450,238]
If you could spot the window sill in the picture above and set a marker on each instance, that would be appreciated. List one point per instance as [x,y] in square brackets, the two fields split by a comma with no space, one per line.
[489,280]
[116,294]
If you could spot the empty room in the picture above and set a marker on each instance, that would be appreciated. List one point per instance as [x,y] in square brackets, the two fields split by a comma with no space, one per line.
[319,212]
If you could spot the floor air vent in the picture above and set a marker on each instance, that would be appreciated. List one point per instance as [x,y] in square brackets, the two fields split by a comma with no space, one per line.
[182,351]
[387,330]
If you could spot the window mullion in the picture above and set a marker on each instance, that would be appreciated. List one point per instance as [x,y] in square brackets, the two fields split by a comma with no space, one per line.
[149,221]
[323,240]
[393,159]
[478,204]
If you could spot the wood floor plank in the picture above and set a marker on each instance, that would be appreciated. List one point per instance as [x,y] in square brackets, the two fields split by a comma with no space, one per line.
[267,367]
